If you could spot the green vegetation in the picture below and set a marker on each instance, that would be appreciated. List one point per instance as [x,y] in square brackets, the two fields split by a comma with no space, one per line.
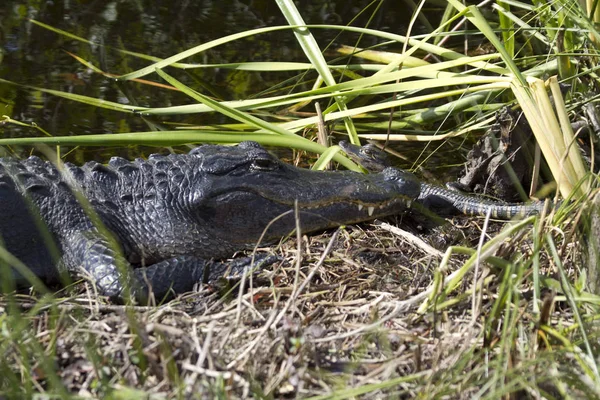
[511,312]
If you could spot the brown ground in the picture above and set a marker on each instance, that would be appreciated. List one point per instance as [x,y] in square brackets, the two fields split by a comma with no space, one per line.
[338,314]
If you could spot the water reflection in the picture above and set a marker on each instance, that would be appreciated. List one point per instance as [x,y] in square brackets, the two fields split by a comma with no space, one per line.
[35,56]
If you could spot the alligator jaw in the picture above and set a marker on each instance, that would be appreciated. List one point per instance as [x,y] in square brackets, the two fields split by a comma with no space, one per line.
[335,209]
[246,206]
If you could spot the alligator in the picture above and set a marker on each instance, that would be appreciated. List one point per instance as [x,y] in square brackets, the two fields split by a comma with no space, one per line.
[156,225]
[438,199]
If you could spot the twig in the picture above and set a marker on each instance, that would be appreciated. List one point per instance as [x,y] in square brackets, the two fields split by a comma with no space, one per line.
[409,237]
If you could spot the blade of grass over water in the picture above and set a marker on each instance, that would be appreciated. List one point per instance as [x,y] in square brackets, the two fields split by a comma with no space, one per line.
[245,118]
[198,49]
[223,109]
[313,53]
[522,24]
[273,102]
[5,119]
[99,71]
[380,56]
[290,66]
[439,51]
[81,99]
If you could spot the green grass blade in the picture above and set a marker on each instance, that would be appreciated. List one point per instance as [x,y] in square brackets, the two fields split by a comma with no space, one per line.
[174,138]
[80,98]
[477,19]
[278,101]
[198,49]
[223,109]
[508,33]
[241,116]
[313,53]
[326,157]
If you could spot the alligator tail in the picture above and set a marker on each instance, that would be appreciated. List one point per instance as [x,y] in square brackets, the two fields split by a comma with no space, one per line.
[476,206]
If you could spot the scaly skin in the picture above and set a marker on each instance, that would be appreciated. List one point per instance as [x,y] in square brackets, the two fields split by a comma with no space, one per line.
[438,198]
[166,216]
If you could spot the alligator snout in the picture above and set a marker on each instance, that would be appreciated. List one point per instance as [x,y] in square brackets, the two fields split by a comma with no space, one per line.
[405,182]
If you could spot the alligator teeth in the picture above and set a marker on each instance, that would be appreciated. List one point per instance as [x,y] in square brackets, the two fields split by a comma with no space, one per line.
[370,211]
[360,207]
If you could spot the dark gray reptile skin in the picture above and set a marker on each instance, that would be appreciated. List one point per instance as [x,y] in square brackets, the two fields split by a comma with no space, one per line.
[169,214]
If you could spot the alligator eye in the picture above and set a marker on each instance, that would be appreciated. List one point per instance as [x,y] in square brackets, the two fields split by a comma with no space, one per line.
[263,164]
[367,152]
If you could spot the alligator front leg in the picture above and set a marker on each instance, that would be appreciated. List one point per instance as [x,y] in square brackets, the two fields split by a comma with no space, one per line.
[91,255]
[179,274]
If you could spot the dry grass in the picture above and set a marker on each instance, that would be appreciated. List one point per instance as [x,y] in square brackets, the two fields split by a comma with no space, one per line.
[366,311]
[338,322]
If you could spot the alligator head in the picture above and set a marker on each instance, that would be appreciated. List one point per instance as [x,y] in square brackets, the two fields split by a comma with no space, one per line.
[246,191]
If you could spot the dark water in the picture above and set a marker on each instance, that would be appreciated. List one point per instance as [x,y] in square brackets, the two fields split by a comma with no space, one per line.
[35,56]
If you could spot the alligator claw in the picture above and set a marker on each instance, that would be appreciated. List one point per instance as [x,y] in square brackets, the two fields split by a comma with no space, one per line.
[236,268]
